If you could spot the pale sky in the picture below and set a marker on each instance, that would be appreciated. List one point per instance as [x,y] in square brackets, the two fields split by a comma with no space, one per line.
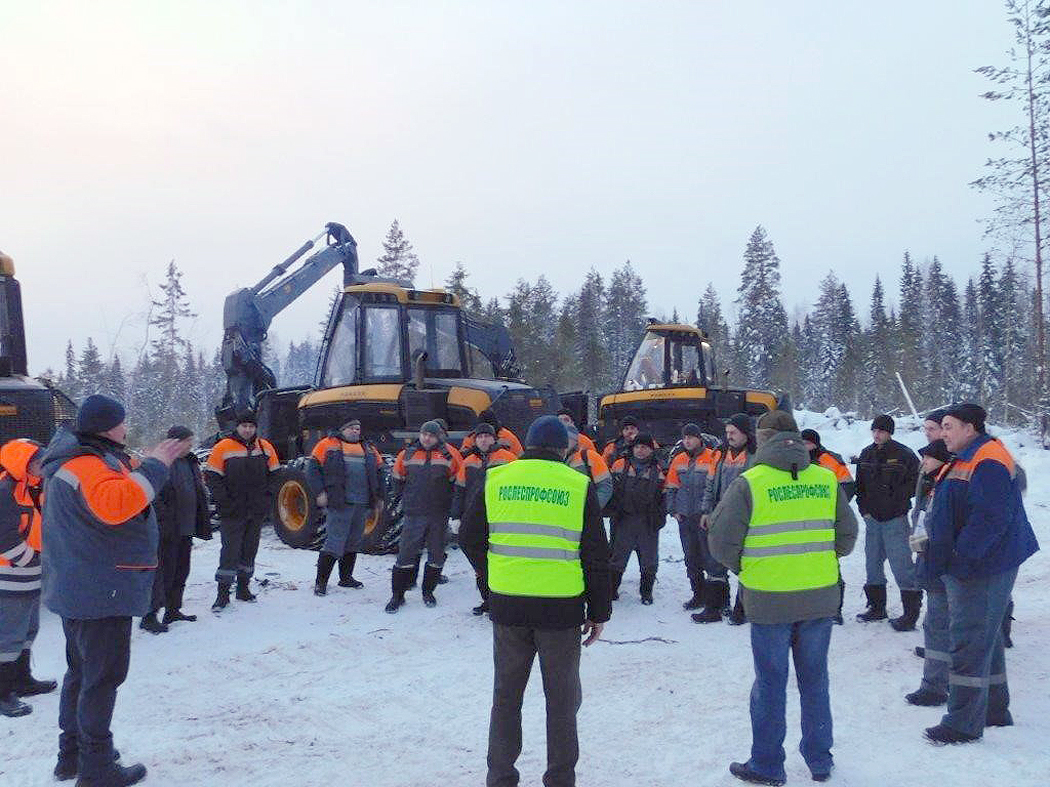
[519,138]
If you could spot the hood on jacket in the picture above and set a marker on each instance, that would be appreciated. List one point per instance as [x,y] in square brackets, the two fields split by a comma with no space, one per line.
[783,451]
[63,447]
[15,457]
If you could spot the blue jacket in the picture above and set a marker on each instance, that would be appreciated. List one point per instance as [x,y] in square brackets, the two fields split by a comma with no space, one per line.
[976,521]
[99,531]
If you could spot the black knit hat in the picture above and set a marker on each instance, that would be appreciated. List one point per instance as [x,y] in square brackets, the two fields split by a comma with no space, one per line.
[247,417]
[489,417]
[968,413]
[98,414]
[179,432]
[883,422]
[691,430]
[812,436]
[742,422]
[350,422]
[938,450]
[644,438]
[484,428]
[628,420]
[547,432]
[935,415]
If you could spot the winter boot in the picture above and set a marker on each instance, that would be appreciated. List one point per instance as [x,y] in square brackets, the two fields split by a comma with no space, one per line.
[744,772]
[25,685]
[152,625]
[414,577]
[699,594]
[116,776]
[399,579]
[243,593]
[615,578]
[911,600]
[1003,720]
[346,571]
[876,604]
[222,600]
[67,766]
[483,589]
[920,651]
[645,587]
[941,735]
[431,577]
[175,615]
[1007,625]
[716,598]
[10,705]
[325,562]
[925,698]
[737,617]
[842,595]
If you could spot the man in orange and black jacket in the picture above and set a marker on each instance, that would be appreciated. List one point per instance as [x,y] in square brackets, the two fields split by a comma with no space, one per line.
[238,475]
[20,501]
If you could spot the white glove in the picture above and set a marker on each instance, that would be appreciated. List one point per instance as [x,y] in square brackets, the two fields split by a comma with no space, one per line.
[918,542]
[453,525]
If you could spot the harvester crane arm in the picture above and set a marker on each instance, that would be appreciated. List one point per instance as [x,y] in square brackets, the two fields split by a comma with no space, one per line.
[248,312]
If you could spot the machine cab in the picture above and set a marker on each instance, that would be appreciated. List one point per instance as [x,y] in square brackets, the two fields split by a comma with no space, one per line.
[670,356]
[379,331]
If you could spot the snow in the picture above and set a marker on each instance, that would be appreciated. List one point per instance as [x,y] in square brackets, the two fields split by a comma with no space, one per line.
[299,690]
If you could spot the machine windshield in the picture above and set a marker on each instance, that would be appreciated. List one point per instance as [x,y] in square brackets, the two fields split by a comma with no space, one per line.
[382,332]
[341,364]
[663,361]
[687,362]
[647,368]
[436,331]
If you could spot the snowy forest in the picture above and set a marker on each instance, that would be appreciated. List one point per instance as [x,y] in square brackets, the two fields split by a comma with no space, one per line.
[950,341]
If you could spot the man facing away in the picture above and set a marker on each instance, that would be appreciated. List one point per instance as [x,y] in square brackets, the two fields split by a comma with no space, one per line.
[781,527]
[538,526]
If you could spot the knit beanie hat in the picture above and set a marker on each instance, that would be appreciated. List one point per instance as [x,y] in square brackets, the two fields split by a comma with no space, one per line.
[775,421]
[547,432]
[644,438]
[179,432]
[484,428]
[811,435]
[935,415]
[938,450]
[883,422]
[691,430]
[98,414]
[432,427]
[969,413]
[628,420]
[741,422]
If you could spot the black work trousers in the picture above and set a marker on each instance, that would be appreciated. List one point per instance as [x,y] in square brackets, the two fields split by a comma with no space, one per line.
[173,567]
[513,650]
[97,656]
[240,545]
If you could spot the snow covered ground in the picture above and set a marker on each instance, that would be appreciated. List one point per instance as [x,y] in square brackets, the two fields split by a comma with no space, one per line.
[297,690]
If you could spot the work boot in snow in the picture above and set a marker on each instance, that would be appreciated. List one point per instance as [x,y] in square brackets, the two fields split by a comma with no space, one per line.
[743,772]
[414,577]
[716,598]
[176,615]
[346,571]
[912,603]
[399,579]
[920,651]
[67,766]
[737,617]
[925,698]
[243,593]
[152,625]
[431,576]
[697,599]
[24,684]
[941,735]
[842,595]
[645,587]
[116,776]
[222,599]
[10,705]
[616,577]
[876,604]
[325,562]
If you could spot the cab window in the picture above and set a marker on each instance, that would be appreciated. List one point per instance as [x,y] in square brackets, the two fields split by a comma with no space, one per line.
[435,331]
[382,343]
[341,362]
[647,367]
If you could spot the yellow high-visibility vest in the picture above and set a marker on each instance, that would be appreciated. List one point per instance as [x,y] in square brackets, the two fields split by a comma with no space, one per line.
[790,542]
[535,512]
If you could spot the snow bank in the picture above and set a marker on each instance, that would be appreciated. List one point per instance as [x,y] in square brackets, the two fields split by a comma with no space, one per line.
[297,690]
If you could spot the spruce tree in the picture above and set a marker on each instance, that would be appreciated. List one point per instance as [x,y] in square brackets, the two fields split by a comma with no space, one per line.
[625,315]
[709,319]
[456,283]
[398,260]
[91,370]
[990,340]
[880,388]
[69,382]
[968,381]
[911,358]
[762,328]
[592,349]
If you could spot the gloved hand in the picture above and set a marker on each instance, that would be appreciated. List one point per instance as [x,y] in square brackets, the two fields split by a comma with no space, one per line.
[453,525]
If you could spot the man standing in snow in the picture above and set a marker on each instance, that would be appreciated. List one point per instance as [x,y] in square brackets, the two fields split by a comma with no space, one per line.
[781,527]
[979,536]
[538,524]
[100,549]
[887,473]
[638,513]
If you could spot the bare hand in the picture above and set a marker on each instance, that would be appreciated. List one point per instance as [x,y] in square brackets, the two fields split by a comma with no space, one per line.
[705,520]
[592,631]
[322,499]
[167,451]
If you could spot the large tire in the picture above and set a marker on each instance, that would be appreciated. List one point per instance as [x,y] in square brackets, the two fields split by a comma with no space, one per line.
[297,519]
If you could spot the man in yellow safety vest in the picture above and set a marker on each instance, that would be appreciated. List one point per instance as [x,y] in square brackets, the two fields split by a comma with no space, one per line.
[537,528]
[781,526]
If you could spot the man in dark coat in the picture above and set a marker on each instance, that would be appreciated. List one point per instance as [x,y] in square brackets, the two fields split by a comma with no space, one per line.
[638,512]
[182,513]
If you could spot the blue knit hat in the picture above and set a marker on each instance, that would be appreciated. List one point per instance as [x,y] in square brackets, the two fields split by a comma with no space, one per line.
[547,432]
[98,414]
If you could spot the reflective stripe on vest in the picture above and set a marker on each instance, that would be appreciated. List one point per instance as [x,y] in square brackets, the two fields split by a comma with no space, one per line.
[535,513]
[790,542]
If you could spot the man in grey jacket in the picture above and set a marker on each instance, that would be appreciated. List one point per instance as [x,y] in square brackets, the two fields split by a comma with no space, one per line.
[781,527]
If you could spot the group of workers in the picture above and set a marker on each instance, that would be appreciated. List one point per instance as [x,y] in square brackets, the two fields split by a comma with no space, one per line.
[771,508]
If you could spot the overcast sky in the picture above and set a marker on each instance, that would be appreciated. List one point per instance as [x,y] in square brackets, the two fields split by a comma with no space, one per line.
[518,138]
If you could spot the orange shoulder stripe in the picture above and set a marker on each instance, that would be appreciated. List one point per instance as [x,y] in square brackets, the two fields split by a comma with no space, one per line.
[112,496]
